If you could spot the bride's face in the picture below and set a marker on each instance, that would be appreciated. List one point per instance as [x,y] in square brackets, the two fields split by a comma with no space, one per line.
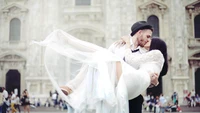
[147,45]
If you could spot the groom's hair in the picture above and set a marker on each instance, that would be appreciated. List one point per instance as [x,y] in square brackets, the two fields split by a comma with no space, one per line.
[140,25]
[158,44]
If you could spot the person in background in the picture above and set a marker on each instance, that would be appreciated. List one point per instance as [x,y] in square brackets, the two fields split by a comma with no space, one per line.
[175,98]
[18,103]
[1,101]
[13,102]
[5,99]
[163,103]
[26,101]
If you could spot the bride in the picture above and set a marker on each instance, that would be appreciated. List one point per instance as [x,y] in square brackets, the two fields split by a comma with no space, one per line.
[105,82]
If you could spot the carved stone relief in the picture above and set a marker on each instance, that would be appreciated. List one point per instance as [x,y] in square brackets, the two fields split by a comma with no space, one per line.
[180,51]
[12,61]
[193,9]
[152,7]
[194,63]
[180,83]
[14,10]
[197,10]
[12,57]
[196,55]
[34,87]
[48,87]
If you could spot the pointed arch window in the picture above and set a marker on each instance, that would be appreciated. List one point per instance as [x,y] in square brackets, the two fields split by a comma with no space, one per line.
[15,29]
[83,2]
[197,26]
[154,21]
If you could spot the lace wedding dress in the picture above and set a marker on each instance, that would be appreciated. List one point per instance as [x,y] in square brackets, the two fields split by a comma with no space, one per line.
[92,73]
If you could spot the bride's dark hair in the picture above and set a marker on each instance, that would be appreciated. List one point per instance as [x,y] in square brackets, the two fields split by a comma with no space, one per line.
[159,44]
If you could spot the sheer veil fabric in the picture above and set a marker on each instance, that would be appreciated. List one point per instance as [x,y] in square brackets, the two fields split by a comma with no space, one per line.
[97,90]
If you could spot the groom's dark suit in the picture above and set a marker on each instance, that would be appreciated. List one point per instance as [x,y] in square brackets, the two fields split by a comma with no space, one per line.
[135,105]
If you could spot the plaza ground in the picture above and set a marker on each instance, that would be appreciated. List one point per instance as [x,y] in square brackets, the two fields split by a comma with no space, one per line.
[185,109]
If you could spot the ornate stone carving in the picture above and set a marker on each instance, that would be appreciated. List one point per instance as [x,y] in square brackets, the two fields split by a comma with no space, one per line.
[12,57]
[34,87]
[14,9]
[16,57]
[194,63]
[193,8]
[196,10]
[12,61]
[48,87]
[153,7]
[197,55]
[8,57]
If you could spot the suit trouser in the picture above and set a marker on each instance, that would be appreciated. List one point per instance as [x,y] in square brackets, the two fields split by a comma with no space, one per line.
[4,107]
[1,108]
[135,105]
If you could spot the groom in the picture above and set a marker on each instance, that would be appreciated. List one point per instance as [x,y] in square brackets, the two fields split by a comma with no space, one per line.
[140,35]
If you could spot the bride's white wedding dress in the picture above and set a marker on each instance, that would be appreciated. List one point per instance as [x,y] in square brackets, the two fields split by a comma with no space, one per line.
[95,88]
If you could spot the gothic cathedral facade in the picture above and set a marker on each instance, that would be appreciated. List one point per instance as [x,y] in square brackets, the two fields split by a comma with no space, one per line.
[102,22]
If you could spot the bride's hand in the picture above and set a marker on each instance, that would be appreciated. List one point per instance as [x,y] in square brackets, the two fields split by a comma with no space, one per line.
[154,79]
[125,39]
[66,90]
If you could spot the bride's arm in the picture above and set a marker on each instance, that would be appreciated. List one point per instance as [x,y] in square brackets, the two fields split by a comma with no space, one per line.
[137,81]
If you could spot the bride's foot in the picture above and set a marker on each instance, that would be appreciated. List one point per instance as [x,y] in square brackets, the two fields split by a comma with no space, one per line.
[66,90]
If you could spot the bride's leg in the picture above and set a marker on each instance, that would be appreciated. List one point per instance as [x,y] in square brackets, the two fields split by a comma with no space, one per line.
[74,83]
[66,90]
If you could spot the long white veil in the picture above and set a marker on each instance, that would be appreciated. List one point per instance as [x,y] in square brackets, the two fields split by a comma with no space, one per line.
[95,87]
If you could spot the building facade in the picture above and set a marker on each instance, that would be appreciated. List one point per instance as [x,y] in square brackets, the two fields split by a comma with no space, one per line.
[101,22]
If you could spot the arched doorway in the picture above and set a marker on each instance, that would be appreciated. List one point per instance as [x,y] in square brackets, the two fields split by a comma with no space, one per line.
[13,81]
[197,79]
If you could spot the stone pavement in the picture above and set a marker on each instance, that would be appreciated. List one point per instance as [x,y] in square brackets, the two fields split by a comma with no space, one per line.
[190,109]
[185,109]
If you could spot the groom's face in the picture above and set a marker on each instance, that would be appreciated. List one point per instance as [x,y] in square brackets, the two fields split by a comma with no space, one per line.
[144,37]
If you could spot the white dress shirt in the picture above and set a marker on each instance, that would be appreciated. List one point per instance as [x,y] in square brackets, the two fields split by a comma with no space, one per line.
[5,95]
